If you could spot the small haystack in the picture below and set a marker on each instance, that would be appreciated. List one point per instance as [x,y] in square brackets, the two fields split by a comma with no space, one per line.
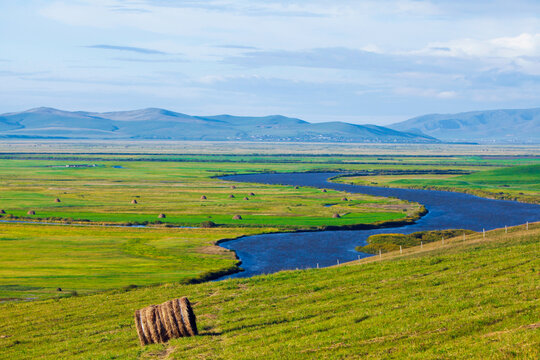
[323,190]
[203,197]
[251,194]
[2,211]
[233,187]
[134,201]
[336,216]
[58,289]
[246,198]
[160,323]
[162,216]
[57,200]
[296,187]
[231,196]
[237,217]
[31,212]
[344,199]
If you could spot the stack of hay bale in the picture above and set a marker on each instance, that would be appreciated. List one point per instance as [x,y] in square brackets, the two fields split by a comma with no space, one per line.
[160,323]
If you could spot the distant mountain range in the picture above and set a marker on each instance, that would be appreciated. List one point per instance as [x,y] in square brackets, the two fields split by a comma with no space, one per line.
[492,126]
[168,125]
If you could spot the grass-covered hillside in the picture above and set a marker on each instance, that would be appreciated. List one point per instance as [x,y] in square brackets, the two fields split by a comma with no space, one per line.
[472,299]
[520,183]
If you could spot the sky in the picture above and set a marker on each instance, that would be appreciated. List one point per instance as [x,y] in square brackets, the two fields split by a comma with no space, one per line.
[375,62]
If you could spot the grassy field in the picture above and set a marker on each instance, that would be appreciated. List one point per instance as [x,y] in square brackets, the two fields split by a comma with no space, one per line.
[104,194]
[38,259]
[472,299]
[520,183]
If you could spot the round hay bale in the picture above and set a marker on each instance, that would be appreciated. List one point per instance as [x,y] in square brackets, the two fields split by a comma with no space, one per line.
[323,190]
[188,316]
[2,211]
[336,216]
[149,322]
[57,200]
[31,212]
[177,313]
[344,199]
[233,187]
[140,329]
[162,333]
[162,216]
[58,289]
[251,194]
[203,197]
[246,198]
[237,217]
[134,201]
[231,196]
[296,187]
[169,321]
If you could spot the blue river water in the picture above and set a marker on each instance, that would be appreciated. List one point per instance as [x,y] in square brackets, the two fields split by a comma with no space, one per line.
[263,254]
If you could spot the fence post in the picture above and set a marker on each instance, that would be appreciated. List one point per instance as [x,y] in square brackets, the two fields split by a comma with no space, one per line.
[338,261]
[483,233]
[505,229]
[317,265]
[527,226]
[380,254]
[400,249]
[421,244]
[443,240]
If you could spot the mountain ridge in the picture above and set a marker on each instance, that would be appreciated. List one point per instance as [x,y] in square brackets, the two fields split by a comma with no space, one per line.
[484,126]
[156,123]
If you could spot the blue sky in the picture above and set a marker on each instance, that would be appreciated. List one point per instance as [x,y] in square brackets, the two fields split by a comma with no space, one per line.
[357,61]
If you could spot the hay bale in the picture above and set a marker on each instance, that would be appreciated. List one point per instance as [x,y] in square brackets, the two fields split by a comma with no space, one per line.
[203,197]
[162,216]
[296,187]
[57,200]
[344,199]
[246,198]
[323,190]
[160,323]
[2,211]
[251,194]
[233,187]
[134,201]
[237,217]
[188,316]
[231,196]
[336,216]
[31,212]
[58,289]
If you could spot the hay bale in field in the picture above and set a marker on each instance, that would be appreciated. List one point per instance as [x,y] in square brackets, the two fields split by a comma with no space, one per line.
[203,197]
[237,217]
[58,289]
[31,212]
[296,187]
[336,216]
[246,198]
[57,200]
[134,201]
[2,211]
[323,190]
[231,196]
[251,194]
[344,199]
[160,323]
[233,187]
[162,216]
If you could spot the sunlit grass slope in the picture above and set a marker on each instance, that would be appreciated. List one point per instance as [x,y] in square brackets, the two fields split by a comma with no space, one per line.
[472,299]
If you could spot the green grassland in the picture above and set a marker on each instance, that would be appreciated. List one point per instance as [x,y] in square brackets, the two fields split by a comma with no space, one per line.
[104,193]
[383,243]
[472,299]
[521,183]
[38,259]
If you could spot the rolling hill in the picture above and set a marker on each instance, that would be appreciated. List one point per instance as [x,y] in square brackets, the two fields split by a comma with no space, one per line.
[493,126]
[163,124]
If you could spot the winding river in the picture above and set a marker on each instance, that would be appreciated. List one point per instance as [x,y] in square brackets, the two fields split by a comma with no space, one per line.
[261,254]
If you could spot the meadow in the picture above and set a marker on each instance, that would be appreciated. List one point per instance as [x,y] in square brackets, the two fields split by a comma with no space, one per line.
[521,183]
[472,299]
